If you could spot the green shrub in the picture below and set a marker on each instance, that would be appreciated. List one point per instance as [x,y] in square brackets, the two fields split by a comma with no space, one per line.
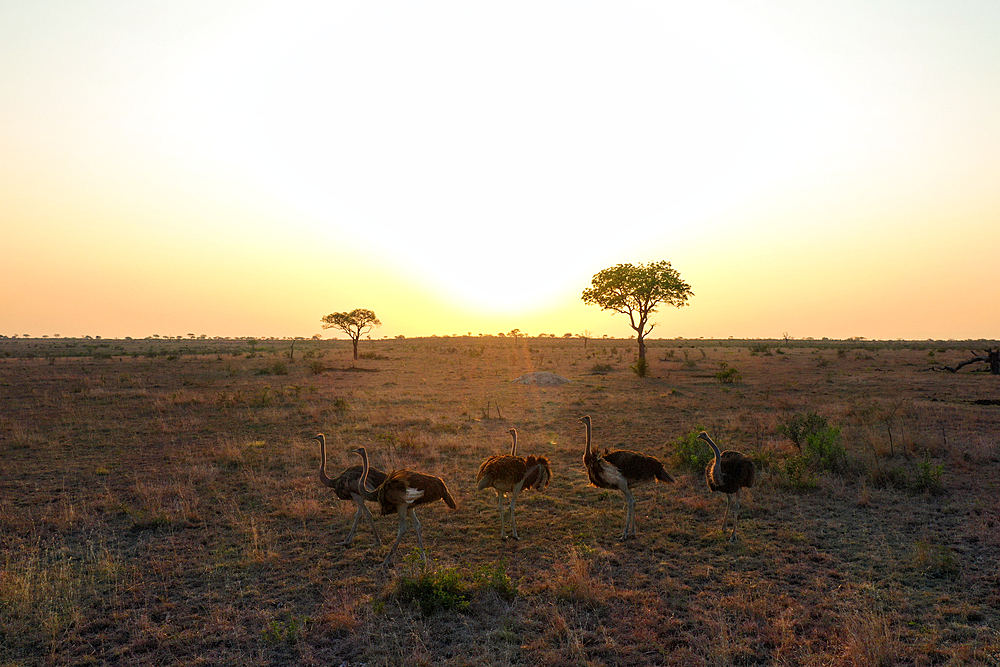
[727,375]
[601,369]
[796,473]
[436,590]
[799,427]
[640,368]
[928,477]
[262,398]
[449,589]
[277,368]
[825,451]
[763,459]
[495,578]
[692,454]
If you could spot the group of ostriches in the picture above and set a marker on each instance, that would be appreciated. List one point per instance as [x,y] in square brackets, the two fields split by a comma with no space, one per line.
[401,491]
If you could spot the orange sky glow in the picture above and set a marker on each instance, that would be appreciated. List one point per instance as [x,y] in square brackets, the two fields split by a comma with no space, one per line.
[827,169]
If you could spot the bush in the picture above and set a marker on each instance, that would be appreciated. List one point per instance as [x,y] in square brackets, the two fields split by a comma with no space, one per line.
[692,454]
[495,578]
[436,590]
[448,589]
[928,477]
[727,375]
[640,368]
[824,450]
[881,476]
[799,427]
[796,473]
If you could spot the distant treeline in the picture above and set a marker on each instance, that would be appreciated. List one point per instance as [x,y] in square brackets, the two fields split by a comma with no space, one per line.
[107,348]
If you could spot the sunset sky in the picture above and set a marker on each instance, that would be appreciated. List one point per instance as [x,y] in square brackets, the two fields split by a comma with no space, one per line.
[821,169]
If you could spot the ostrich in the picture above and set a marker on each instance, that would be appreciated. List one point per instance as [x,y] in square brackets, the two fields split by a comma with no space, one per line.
[346,486]
[728,473]
[622,469]
[512,474]
[400,492]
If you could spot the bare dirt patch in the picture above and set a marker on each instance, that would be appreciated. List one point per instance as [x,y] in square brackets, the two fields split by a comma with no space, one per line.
[542,378]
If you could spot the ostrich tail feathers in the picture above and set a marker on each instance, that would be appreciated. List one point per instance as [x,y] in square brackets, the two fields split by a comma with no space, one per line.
[447,497]
[664,476]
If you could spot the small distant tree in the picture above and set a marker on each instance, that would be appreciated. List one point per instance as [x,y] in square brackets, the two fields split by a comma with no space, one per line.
[636,291]
[355,324]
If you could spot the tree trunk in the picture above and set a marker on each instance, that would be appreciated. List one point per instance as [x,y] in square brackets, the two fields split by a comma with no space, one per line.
[642,348]
[994,361]
[355,341]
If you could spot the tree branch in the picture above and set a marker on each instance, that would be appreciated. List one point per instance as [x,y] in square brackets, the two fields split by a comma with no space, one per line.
[954,369]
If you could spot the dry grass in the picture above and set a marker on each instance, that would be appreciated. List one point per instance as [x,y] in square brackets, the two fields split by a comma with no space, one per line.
[159,504]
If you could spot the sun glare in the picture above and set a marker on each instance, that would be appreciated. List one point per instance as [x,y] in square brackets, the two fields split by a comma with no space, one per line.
[444,168]
[490,158]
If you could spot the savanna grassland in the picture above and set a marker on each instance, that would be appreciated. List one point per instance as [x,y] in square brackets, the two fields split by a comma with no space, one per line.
[159,504]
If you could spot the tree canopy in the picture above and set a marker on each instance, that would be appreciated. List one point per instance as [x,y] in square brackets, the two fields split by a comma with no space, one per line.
[355,324]
[636,291]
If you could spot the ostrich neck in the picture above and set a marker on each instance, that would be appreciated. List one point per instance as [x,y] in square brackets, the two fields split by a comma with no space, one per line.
[715,448]
[513,445]
[322,465]
[717,467]
[363,482]
[587,424]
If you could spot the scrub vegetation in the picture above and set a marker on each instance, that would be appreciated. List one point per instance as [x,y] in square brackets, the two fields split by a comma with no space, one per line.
[160,504]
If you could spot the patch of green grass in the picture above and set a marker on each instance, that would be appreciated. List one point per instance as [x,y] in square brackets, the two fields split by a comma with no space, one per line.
[935,561]
[436,590]
[286,629]
[450,589]
[495,578]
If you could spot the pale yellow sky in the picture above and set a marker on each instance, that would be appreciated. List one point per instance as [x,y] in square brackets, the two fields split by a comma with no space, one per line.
[232,168]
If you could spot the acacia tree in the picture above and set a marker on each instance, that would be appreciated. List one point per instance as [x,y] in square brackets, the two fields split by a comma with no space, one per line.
[355,324]
[636,291]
